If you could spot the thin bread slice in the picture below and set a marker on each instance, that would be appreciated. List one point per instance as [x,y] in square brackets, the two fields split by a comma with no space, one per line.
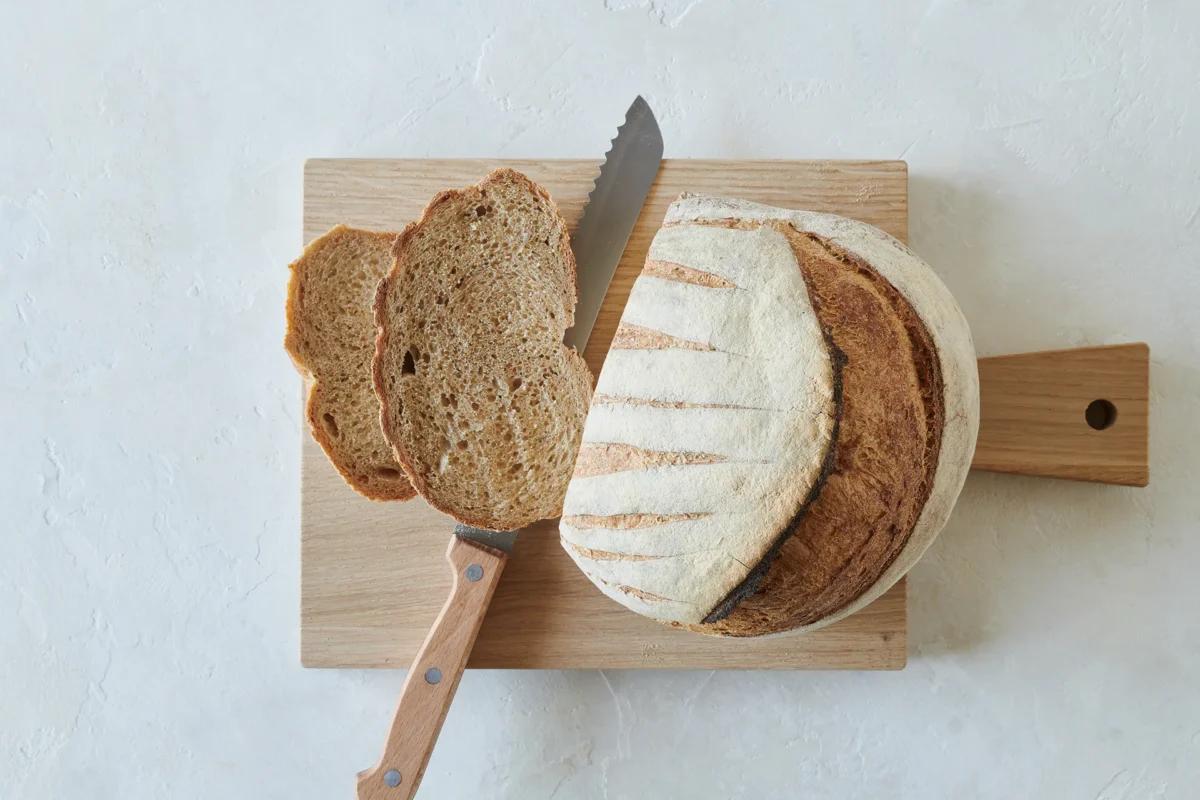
[331,338]
[481,401]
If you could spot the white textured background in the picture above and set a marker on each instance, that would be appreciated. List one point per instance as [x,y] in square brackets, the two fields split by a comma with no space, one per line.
[150,190]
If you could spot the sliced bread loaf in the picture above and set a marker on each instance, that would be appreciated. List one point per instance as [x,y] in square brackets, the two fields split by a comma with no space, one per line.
[481,401]
[331,338]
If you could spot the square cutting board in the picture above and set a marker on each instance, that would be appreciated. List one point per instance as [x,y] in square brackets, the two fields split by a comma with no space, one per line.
[373,575]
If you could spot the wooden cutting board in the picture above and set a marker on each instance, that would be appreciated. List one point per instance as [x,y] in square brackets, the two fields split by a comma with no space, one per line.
[373,575]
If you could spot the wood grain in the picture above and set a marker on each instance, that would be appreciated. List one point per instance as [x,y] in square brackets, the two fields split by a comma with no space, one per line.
[434,674]
[1032,410]
[372,575]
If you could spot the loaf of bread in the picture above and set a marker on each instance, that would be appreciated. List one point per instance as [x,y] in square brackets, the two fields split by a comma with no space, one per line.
[781,428]
[481,400]
[331,339]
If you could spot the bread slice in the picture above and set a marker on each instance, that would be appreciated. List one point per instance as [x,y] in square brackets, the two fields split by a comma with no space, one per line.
[481,401]
[331,338]
[681,532]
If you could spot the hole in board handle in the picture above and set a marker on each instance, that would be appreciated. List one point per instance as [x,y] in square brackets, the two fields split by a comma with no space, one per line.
[1100,414]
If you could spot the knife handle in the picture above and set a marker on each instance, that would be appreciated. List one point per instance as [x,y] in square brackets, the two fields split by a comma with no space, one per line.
[434,675]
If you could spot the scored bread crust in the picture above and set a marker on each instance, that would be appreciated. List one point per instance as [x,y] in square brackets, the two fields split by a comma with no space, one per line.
[509,421]
[883,460]
[709,431]
[940,317]
[900,454]
[330,337]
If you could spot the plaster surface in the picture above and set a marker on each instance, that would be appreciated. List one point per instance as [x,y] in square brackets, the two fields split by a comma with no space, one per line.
[150,199]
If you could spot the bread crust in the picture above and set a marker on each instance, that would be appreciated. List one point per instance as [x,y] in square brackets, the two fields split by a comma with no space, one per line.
[941,317]
[723,618]
[842,541]
[728,423]
[893,470]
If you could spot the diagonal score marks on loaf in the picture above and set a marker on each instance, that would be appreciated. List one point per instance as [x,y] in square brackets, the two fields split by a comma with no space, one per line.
[609,555]
[671,271]
[631,336]
[603,458]
[633,591]
[628,521]
[678,405]
[707,427]
[596,554]
[635,337]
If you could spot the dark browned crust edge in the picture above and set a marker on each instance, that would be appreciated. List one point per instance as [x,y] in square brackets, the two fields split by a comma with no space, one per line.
[931,392]
[752,581]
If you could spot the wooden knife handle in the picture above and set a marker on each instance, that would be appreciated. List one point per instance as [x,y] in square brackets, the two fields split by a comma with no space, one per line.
[434,675]
[1082,414]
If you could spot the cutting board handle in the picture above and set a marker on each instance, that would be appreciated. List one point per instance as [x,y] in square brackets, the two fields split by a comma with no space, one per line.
[434,675]
[1082,414]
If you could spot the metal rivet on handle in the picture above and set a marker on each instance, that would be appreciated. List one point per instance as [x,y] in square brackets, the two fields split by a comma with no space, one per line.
[433,675]
[474,572]
[392,778]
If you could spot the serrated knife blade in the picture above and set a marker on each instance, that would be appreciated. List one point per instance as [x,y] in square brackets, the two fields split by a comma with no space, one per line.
[500,540]
[477,556]
[616,200]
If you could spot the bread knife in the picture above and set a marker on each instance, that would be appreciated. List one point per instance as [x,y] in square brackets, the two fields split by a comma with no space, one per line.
[476,556]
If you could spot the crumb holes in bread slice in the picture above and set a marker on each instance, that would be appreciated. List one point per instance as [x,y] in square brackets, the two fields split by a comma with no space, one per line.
[388,473]
[330,424]
[409,367]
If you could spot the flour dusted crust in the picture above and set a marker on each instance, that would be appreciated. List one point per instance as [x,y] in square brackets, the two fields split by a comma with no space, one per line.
[707,429]
[782,428]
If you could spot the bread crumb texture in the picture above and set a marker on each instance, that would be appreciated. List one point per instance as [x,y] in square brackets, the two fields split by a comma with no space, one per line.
[482,402]
[331,338]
